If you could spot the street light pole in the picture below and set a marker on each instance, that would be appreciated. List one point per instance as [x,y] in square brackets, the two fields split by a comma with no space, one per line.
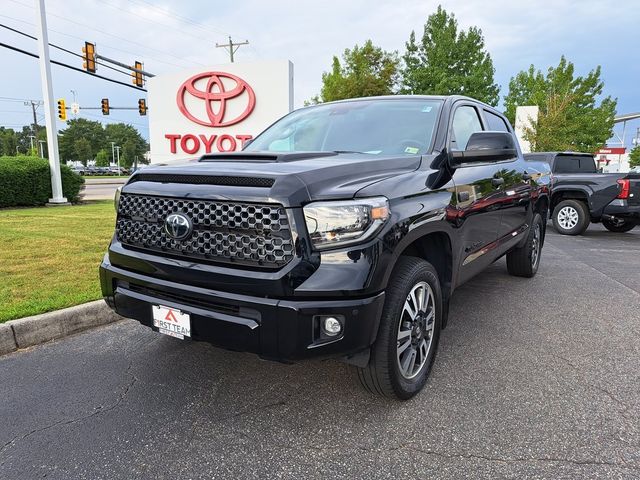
[42,142]
[113,153]
[118,151]
[49,108]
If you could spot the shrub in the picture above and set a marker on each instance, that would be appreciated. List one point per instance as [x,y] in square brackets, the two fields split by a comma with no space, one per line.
[26,181]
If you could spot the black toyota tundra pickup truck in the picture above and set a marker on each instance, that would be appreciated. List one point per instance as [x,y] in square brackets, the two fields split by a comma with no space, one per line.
[341,231]
[580,194]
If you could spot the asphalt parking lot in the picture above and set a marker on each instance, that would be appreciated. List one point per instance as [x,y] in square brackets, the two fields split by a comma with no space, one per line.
[534,379]
[102,188]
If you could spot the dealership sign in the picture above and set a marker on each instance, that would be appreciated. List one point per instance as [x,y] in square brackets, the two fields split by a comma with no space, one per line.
[216,109]
[612,151]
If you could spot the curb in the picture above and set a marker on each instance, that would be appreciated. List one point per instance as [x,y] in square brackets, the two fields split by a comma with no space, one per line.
[29,331]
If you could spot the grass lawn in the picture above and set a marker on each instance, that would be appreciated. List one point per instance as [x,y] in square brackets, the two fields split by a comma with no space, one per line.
[49,256]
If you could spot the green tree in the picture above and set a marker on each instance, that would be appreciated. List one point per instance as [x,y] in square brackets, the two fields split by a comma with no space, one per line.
[364,72]
[570,115]
[446,61]
[634,157]
[128,152]
[82,149]
[8,141]
[129,140]
[25,141]
[102,158]
[78,128]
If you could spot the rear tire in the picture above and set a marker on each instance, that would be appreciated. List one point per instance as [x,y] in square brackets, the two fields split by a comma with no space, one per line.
[570,217]
[409,332]
[524,261]
[617,225]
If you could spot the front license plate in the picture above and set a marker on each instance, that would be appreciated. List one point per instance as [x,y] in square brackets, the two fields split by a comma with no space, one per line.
[171,321]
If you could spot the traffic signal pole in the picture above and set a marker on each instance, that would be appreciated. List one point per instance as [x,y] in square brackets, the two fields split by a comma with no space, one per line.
[49,107]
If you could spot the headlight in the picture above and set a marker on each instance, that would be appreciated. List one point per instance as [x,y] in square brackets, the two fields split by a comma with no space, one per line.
[345,222]
[116,198]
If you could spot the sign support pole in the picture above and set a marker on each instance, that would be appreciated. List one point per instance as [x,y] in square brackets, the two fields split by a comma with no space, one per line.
[49,108]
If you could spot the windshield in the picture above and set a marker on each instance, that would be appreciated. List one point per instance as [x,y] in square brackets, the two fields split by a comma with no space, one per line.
[377,127]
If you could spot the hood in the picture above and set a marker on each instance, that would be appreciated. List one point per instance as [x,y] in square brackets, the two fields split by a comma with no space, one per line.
[288,178]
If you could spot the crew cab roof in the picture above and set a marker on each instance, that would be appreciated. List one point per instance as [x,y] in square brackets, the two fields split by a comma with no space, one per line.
[451,98]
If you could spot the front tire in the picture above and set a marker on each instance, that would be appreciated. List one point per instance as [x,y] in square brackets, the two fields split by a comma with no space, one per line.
[617,225]
[409,332]
[524,261]
[570,217]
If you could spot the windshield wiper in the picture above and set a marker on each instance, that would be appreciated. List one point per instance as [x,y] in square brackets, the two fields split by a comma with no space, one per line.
[349,151]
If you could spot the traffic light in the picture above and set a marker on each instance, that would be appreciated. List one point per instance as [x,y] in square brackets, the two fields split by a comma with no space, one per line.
[105,106]
[89,57]
[142,106]
[62,110]
[138,81]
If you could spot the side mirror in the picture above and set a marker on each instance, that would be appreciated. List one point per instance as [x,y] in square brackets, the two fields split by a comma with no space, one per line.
[486,147]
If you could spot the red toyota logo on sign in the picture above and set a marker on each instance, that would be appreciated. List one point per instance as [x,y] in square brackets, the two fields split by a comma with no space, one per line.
[215,93]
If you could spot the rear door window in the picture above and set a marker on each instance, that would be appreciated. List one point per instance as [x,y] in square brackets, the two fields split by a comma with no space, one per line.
[495,122]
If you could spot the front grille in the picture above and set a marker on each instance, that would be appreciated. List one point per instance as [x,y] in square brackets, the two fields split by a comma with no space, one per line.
[238,233]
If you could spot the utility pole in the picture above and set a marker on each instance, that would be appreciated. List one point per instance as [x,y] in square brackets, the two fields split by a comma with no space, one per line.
[34,105]
[49,107]
[231,47]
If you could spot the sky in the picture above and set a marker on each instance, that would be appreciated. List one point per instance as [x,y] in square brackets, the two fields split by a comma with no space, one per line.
[170,35]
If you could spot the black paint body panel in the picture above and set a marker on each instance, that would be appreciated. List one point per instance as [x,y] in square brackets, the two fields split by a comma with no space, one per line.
[424,193]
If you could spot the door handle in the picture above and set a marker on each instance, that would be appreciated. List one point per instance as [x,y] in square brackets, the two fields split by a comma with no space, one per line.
[526,176]
[497,181]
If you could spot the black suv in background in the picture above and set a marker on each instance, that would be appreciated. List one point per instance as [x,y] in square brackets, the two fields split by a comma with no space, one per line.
[341,231]
[580,194]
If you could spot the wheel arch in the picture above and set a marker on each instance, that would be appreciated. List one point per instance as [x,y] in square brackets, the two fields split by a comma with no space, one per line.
[572,193]
[436,248]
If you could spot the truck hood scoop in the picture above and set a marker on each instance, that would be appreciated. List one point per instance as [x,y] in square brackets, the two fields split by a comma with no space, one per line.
[276,157]
[235,181]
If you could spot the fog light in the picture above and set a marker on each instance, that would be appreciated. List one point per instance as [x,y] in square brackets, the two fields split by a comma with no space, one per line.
[331,326]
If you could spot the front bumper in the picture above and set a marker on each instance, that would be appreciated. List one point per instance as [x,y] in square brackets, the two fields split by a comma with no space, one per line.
[621,209]
[276,329]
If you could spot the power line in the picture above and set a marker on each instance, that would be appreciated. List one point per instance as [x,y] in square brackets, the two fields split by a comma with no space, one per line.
[104,44]
[184,19]
[55,62]
[14,99]
[93,29]
[114,120]
[148,20]
[62,49]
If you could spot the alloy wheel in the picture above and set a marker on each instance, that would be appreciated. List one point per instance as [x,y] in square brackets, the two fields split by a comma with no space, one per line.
[415,330]
[536,244]
[568,217]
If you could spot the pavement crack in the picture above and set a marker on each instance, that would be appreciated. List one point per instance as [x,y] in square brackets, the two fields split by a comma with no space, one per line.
[97,411]
[488,458]
[624,408]
[459,455]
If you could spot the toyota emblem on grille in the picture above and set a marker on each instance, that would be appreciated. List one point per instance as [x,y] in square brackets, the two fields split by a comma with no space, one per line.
[178,226]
